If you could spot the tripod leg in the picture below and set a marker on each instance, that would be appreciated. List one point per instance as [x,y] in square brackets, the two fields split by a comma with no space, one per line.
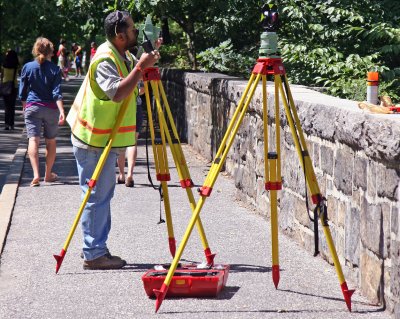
[210,180]
[180,161]
[162,170]
[92,183]
[298,137]
[273,158]
[273,179]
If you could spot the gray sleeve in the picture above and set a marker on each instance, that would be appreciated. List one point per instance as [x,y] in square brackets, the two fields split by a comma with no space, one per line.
[108,78]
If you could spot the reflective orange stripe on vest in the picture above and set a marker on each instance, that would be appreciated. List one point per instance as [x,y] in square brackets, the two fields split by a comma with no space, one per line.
[94,130]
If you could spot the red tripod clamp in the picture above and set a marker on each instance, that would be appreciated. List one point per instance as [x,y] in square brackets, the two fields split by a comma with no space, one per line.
[150,74]
[269,66]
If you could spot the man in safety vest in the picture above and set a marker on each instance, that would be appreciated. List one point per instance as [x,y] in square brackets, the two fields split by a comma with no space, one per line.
[111,81]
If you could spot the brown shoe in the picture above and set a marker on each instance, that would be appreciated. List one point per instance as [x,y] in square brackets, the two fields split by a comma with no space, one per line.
[108,254]
[104,262]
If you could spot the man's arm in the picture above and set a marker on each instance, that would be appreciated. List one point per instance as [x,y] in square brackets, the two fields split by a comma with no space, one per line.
[129,83]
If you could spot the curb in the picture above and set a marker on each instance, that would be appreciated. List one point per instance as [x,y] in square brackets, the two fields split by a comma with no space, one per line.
[10,189]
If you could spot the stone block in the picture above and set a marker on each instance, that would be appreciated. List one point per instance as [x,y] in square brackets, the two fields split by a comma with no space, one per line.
[238,175]
[332,204]
[292,172]
[360,173]
[395,269]
[371,179]
[371,227]
[395,222]
[287,211]
[385,231]
[340,245]
[343,171]
[315,155]
[352,236]
[371,276]
[321,179]
[387,182]
[343,208]
[300,211]
[327,160]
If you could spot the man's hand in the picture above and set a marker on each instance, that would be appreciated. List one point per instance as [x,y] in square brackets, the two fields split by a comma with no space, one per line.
[158,43]
[147,60]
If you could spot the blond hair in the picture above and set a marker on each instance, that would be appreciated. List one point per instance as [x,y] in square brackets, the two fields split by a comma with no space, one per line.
[42,49]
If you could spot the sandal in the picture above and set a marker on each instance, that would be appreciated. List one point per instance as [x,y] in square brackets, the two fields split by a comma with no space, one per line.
[129,182]
[120,180]
[35,182]
[53,178]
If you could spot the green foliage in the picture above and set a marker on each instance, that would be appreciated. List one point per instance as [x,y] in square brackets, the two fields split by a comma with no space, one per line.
[224,59]
[331,43]
[335,43]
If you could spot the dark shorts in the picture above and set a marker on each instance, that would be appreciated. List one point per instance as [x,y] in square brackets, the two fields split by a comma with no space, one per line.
[37,117]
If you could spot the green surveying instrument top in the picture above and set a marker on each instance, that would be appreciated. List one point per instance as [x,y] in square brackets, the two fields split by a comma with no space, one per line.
[148,32]
[270,24]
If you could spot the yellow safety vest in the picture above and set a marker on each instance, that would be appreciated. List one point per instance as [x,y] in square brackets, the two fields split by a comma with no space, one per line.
[93,114]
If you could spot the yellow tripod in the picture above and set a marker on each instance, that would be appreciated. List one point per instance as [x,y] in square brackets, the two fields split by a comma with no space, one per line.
[152,76]
[273,182]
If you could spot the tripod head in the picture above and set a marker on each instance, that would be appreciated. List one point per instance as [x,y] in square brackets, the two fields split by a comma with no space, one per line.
[270,24]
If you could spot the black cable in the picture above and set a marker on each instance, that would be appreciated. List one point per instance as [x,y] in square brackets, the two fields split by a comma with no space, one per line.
[148,171]
[303,153]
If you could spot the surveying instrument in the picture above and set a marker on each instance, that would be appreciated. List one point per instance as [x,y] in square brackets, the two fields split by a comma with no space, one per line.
[270,64]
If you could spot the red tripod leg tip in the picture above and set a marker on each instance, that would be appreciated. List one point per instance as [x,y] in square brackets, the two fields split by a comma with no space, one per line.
[275,275]
[172,246]
[347,294]
[160,295]
[59,258]
[209,256]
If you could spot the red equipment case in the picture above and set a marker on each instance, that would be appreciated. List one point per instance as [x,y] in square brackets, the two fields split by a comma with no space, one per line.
[395,109]
[188,281]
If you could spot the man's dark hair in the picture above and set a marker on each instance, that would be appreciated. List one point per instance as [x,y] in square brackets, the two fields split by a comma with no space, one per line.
[116,22]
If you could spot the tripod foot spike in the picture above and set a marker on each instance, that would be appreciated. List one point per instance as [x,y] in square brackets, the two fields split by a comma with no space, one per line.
[209,256]
[59,258]
[172,246]
[160,295]
[275,275]
[347,294]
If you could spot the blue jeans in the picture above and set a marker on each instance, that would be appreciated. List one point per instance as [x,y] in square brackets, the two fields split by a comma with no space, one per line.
[96,216]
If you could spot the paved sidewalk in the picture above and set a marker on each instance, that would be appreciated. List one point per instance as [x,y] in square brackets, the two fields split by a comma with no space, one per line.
[42,217]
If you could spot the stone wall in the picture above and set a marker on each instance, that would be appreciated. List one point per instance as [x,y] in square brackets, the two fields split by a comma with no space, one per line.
[356,158]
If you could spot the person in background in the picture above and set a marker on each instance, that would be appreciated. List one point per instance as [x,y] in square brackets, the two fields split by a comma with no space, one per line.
[131,151]
[110,83]
[62,55]
[93,49]
[9,74]
[42,102]
[77,52]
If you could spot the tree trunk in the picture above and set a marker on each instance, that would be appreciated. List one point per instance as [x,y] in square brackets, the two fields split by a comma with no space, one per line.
[165,30]
[192,44]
